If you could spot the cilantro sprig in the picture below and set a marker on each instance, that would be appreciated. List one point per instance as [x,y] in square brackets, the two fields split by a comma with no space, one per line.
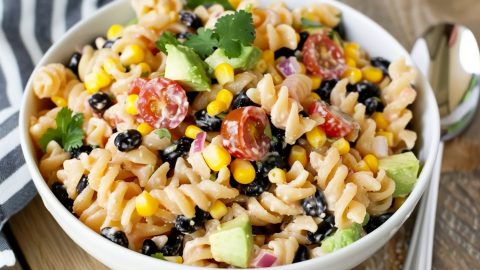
[306,23]
[69,133]
[192,4]
[166,38]
[204,43]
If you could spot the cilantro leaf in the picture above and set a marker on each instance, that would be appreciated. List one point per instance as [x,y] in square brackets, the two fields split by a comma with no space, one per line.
[192,4]
[158,255]
[163,133]
[69,133]
[204,43]
[166,38]
[306,23]
[235,30]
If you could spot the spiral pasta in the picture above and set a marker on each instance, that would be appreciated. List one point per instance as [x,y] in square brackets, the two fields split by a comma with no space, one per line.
[50,80]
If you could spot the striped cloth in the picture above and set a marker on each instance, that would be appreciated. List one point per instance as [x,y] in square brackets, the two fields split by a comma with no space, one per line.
[28,28]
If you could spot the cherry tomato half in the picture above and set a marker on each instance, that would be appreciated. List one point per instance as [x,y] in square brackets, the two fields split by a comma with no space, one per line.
[243,132]
[136,86]
[162,103]
[323,57]
[337,124]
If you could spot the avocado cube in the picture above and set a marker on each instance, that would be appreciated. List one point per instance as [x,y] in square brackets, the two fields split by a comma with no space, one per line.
[403,169]
[342,238]
[233,242]
[249,56]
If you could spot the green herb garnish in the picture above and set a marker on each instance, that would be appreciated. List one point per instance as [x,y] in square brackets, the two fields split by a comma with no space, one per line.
[69,133]
[306,23]
[204,43]
[158,255]
[166,38]
[163,133]
[192,4]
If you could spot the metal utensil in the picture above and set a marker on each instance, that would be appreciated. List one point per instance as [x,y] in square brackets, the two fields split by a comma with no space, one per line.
[448,55]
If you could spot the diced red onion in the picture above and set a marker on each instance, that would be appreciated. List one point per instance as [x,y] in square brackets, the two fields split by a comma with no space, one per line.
[199,142]
[288,66]
[380,146]
[264,259]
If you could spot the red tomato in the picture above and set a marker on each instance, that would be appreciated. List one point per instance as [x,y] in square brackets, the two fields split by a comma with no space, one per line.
[337,124]
[243,132]
[136,86]
[162,103]
[323,57]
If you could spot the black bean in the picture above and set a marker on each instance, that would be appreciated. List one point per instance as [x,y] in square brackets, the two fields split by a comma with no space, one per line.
[190,19]
[376,221]
[183,35]
[74,61]
[128,140]
[278,144]
[242,100]
[187,225]
[325,89]
[366,90]
[340,29]
[301,254]
[100,102]
[82,184]
[256,188]
[75,152]
[149,247]
[285,52]
[303,37]
[179,148]
[271,161]
[381,63]
[373,104]
[60,192]
[207,122]
[174,244]
[115,235]
[326,228]
[109,43]
[315,205]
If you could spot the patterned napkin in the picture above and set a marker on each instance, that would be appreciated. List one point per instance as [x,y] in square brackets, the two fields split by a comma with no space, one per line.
[27,30]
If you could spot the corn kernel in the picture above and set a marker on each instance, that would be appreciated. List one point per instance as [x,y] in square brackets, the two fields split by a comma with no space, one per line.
[114,31]
[352,50]
[298,153]
[268,56]
[97,80]
[243,171]
[216,157]
[261,66]
[398,202]
[380,120]
[144,129]
[225,96]
[224,73]
[350,62]
[362,166]
[145,68]
[388,135]
[216,107]
[316,82]
[112,65]
[145,204]
[315,96]
[132,54]
[354,75]
[234,3]
[59,101]
[174,259]
[218,210]
[192,131]
[372,162]
[316,137]
[131,104]
[277,176]
[342,145]
[297,37]
[372,74]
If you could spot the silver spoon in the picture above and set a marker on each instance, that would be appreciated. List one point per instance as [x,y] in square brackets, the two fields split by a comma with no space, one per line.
[449,57]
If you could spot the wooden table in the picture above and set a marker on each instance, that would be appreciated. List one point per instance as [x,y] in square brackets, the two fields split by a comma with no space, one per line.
[43,245]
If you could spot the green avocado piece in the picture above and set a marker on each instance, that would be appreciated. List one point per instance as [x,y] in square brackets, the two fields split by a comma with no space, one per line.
[403,169]
[186,67]
[247,59]
[233,242]
[342,238]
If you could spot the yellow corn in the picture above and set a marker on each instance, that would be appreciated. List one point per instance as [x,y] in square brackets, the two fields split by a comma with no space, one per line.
[216,107]
[303,69]
[298,153]
[314,96]
[342,145]
[225,96]
[132,54]
[316,82]
[372,162]
[316,137]
[243,171]
[216,157]
[192,131]
[146,70]
[398,202]
[372,74]
[144,129]
[234,3]
[388,135]
[131,104]
[218,210]
[268,56]
[362,166]
[114,31]
[174,259]
[297,37]
[277,176]
[354,75]
[350,62]
[97,80]
[352,50]
[145,204]
[380,120]
[224,73]
[112,65]
[59,101]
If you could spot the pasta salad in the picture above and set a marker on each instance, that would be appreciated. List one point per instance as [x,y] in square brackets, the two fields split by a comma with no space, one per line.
[227,134]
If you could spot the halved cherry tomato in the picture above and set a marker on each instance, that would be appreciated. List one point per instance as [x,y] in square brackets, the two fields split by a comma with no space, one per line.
[337,124]
[243,132]
[162,103]
[323,57]
[136,85]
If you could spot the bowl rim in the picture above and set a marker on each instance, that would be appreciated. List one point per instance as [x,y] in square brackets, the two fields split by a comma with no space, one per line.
[46,194]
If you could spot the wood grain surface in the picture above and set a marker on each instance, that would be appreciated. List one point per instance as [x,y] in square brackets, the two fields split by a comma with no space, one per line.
[457,235]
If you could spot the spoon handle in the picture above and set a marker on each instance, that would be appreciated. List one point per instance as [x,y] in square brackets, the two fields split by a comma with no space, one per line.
[421,246]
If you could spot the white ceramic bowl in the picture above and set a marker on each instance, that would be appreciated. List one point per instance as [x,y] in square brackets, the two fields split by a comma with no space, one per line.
[360,29]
